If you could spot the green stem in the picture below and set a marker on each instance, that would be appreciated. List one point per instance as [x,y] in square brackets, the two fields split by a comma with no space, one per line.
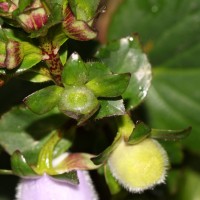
[6,172]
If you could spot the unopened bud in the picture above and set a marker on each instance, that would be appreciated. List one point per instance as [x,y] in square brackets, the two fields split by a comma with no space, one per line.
[34,17]
[11,54]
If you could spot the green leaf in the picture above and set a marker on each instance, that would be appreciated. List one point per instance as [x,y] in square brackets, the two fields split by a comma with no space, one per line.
[163,28]
[84,10]
[32,56]
[109,85]
[140,132]
[74,72]
[70,177]
[170,134]
[19,165]
[63,56]
[44,100]
[20,126]
[125,56]
[37,74]
[22,5]
[97,69]
[110,108]
[189,187]
[174,96]
[57,36]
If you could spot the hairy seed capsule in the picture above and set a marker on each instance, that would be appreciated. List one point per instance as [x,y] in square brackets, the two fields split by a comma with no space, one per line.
[139,167]
[77,100]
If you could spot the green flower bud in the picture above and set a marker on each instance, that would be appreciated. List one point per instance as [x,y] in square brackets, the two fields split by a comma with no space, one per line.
[77,101]
[139,167]
[34,17]
[11,54]
[77,29]
[8,7]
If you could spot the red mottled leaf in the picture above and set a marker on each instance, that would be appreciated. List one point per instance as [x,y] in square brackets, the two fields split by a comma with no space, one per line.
[77,29]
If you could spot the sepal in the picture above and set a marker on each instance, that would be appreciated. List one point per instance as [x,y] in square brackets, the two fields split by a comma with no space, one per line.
[76,29]
[44,100]
[74,72]
[140,132]
[172,135]
[110,85]
[70,177]
[20,167]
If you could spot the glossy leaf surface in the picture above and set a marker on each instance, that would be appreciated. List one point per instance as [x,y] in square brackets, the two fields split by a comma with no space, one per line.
[97,69]
[75,72]
[44,100]
[163,28]
[110,85]
[110,108]
[170,134]
[84,10]
[140,132]
[70,177]
[20,167]
[125,55]
[20,126]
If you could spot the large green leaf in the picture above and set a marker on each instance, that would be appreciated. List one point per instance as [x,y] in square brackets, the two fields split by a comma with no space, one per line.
[20,128]
[170,33]
[190,186]
[173,102]
[125,55]
[169,30]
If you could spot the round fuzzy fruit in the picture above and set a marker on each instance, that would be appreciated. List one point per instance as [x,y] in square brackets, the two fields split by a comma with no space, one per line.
[140,166]
[78,100]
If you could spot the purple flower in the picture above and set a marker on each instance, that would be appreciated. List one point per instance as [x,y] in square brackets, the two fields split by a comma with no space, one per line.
[47,188]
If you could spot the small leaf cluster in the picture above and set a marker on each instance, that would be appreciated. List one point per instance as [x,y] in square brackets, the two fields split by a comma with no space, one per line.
[87,87]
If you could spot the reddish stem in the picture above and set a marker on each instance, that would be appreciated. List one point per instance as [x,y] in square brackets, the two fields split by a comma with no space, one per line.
[52,59]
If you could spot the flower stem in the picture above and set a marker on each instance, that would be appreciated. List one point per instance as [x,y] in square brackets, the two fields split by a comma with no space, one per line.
[52,60]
